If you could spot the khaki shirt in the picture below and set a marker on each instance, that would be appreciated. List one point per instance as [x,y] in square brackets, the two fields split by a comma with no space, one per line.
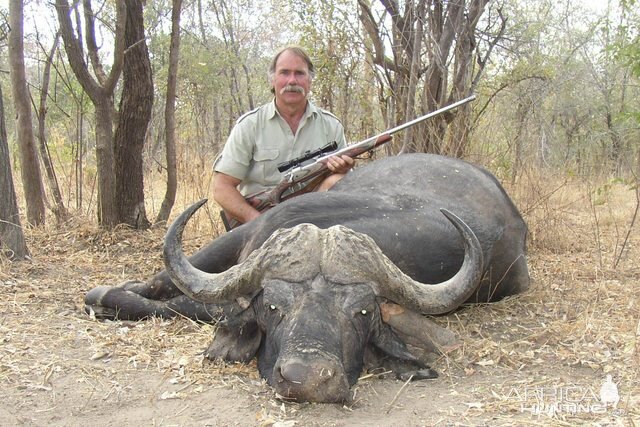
[262,139]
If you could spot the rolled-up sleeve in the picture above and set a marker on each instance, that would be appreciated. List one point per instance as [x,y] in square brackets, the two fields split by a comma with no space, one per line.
[335,130]
[237,153]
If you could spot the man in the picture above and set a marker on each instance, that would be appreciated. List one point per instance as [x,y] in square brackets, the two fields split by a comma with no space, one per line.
[274,133]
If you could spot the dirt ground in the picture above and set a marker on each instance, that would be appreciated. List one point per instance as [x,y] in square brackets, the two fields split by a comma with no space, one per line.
[539,358]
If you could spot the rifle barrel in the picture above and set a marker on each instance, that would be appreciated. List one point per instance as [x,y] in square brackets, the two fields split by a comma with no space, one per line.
[422,118]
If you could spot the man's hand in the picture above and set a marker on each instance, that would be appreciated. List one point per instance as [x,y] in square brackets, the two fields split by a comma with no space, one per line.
[341,165]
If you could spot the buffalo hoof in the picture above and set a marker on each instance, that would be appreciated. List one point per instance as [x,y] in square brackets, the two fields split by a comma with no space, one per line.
[100,312]
[422,374]
[119,302]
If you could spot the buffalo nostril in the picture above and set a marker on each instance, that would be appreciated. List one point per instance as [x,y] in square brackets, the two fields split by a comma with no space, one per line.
[310,380]
[294,372]
[326,372]
[300,373]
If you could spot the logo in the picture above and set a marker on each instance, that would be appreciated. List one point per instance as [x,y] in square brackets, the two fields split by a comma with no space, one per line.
[554,400]
[609,393]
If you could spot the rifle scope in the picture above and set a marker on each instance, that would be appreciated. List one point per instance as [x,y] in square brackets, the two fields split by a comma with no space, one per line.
[308,155]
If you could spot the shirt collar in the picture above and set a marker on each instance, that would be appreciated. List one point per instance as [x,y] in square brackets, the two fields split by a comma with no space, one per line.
[272,111]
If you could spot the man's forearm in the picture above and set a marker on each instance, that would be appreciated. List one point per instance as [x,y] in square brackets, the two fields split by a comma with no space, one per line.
[236,206]
[227,196]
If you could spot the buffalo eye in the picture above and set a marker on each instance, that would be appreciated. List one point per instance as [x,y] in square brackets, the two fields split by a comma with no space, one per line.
[363,312]
[272,307]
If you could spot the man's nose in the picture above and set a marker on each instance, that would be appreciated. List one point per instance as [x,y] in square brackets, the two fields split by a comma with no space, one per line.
[293,79]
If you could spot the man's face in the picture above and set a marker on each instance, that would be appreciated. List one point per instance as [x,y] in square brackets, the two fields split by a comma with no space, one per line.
[291,80]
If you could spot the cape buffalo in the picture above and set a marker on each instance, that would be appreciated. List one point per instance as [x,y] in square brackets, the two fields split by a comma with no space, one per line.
[302,286]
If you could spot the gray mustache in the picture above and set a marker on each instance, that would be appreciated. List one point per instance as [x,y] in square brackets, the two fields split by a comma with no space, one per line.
[292,88]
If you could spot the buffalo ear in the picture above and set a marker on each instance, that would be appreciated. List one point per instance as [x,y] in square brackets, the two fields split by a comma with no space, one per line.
[391,345]
[238,337]
[235,344]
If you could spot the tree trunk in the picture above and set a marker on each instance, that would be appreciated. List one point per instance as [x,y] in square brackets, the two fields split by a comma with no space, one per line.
[522,111]
[225,19]
[107,212]
[79,152]
[135,113]
[11,235]
[170,116]
[29,165]
[58,209]
[433,45]
[100,88]
[616,153]
[410,109]
[460,124]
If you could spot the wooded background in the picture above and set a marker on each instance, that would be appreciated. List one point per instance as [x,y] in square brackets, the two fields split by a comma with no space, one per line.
[117,107]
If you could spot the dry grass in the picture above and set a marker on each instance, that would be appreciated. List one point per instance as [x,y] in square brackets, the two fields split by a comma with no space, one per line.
[579,321]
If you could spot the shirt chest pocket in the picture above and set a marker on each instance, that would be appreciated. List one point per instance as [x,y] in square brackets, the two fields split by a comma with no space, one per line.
[265,165]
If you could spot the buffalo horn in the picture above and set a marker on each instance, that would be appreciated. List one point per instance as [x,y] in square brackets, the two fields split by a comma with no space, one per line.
[241,279]
[446,296]
[367,263]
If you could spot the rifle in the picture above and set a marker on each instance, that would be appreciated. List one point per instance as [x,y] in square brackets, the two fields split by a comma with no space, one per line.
[303,174]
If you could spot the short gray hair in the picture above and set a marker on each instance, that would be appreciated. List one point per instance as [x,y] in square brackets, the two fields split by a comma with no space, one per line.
[299,52]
